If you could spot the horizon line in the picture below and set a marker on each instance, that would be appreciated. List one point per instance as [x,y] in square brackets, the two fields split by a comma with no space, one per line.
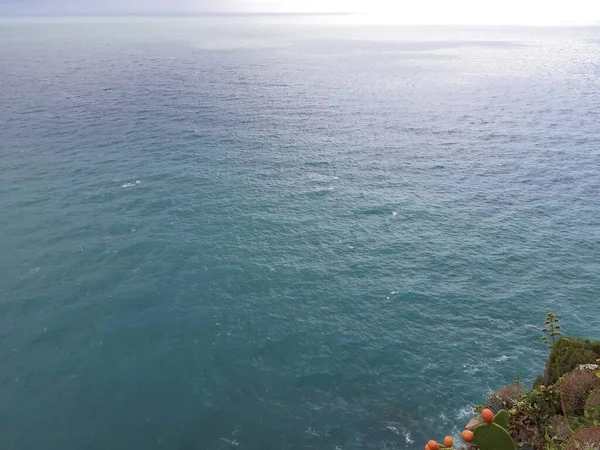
[199,14]
[185,14]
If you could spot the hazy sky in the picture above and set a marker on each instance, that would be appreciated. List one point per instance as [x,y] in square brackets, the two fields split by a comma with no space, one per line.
[396,11]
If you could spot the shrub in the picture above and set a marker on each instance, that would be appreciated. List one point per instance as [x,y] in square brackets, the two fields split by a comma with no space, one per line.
[567,354]
[575,387]
[525,429]
[559,428]
[584,439]
[504,398]
[543,402]
[593,402]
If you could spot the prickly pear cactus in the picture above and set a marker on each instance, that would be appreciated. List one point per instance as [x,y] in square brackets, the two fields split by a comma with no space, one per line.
[491,436]
[502,418]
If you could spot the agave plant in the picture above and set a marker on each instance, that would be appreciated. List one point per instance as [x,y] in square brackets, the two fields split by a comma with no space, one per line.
[551,331]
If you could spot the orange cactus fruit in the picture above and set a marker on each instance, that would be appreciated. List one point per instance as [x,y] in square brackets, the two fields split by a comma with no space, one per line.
[433,445]
[467,435]
[427,447]
[487,415]
[448,441]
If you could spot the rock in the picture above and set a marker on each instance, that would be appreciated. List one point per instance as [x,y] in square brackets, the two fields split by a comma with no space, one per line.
[474,422]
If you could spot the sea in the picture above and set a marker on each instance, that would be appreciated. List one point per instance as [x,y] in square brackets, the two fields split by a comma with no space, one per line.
[286,232]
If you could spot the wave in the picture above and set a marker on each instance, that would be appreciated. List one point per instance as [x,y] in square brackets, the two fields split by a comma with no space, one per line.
[126,185]
[321,192]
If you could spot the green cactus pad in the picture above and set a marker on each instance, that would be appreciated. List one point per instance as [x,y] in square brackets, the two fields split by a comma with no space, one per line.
[492,437]
[502,418]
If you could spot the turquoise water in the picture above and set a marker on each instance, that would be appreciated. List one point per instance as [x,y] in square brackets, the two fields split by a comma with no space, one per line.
[277,233]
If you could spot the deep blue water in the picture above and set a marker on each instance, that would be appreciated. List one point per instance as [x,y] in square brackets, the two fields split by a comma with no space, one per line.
[277,233]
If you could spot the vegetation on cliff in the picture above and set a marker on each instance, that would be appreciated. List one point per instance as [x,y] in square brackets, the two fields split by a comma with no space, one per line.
[560,412]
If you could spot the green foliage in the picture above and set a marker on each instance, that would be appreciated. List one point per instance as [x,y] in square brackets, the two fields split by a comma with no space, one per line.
[542,402]
[567,354]
[552,442]
[529,418]
[502,418]
[492,437]
[551,332]
[592,404]
[586,420]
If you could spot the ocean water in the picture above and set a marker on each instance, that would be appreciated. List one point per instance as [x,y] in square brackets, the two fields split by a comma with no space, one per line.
[286,233]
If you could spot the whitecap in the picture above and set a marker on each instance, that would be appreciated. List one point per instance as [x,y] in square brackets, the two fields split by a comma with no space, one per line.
[465,411]
[474,368]
[126,185]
